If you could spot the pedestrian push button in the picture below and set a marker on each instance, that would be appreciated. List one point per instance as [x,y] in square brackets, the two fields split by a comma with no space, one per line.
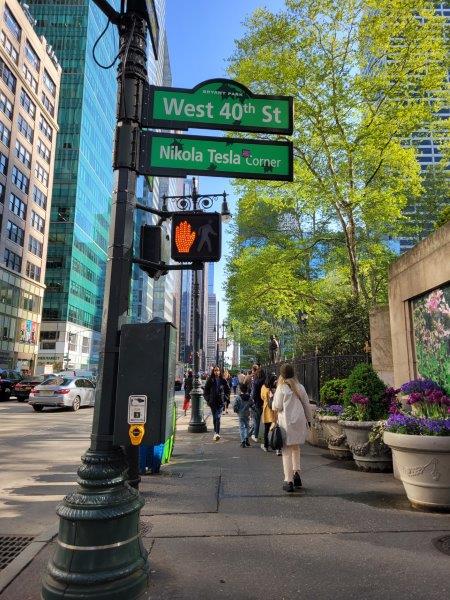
[136,433]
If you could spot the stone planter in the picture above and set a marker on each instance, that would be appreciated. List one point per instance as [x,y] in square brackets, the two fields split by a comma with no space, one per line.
[335,437]
[368,456]
[315,434]
[423,464]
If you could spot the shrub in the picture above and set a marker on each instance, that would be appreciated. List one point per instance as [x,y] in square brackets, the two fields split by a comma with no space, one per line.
[364,381]
[332,391]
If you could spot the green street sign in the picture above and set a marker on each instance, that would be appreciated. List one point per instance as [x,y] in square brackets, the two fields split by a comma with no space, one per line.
[216,104]
[172,155]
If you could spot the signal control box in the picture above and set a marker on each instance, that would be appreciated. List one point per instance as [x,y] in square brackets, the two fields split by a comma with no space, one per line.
[145,383]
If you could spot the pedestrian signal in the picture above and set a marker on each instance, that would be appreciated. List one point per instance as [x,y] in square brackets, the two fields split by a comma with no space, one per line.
[196,237]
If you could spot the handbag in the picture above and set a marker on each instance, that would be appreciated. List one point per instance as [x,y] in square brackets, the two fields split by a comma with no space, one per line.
[275,438]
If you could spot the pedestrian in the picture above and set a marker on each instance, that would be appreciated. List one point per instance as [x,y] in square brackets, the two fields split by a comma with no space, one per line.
[268,416]
[188,385]
[291,406]
[227,377]
[216,394]
[241,377]
[234,383]
[258,379]
[241,406]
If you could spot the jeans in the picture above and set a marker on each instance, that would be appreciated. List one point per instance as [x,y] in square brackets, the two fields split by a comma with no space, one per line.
[216,414]
[256,414]
[243,428]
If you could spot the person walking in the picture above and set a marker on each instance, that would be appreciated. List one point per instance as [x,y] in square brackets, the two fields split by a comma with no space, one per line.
[291,406]
[216,393]
[188,385]
[241,377]
[234,384]
[259,377]
[268,416]
[226,375]
[241,406]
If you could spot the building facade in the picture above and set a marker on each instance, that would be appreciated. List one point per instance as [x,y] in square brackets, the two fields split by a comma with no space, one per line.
[29,92]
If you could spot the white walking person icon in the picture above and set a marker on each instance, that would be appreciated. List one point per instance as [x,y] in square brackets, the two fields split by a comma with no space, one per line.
[205,231]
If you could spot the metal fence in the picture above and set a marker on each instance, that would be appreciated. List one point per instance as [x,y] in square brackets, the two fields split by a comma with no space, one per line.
[314,371]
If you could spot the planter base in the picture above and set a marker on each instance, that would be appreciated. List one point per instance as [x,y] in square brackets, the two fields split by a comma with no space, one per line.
[368,456]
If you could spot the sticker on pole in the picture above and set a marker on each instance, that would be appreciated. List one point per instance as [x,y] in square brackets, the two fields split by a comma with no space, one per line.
[137,410]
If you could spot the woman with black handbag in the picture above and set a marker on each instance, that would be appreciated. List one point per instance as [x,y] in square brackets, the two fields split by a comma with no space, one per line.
[291,404]
[216,394]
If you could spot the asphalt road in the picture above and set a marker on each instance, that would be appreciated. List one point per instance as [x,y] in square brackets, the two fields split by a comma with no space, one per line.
[39,456]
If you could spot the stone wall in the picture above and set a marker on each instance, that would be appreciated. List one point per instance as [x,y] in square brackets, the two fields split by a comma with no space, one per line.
[381,344]
[422,269]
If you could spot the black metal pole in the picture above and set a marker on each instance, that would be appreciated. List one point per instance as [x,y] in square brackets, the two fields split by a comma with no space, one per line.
[99,553]
[197,423]
[217,336]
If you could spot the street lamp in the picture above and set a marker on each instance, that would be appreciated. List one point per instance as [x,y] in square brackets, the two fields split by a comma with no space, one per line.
[196,202]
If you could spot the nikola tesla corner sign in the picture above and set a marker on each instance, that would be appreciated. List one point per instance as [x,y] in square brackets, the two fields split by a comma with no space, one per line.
[215,104]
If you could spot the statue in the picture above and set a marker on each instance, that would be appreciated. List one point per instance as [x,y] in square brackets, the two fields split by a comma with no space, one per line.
[274,347]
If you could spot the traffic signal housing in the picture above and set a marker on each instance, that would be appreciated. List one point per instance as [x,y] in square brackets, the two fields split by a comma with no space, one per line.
[154,247]
[196,236]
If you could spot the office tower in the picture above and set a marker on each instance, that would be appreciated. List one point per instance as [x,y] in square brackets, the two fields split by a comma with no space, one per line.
[212,333]
[82,188]
[29,89]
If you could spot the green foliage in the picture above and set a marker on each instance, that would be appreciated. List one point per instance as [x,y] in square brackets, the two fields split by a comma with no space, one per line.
[332,391]
[363,380]
[359,93]
[443,217]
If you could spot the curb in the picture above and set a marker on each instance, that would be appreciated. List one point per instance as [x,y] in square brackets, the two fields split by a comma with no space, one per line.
[21,561]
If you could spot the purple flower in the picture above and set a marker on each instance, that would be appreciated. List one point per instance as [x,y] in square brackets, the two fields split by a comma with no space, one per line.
[360,399]
[419,385]
[401,423]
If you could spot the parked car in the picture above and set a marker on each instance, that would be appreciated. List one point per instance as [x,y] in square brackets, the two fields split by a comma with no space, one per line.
[7,380]
[69,392]
[178,385]
[22,389]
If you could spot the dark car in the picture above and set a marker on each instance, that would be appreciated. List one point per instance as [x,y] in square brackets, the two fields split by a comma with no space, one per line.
[7,381]
[22,389]
[178,384]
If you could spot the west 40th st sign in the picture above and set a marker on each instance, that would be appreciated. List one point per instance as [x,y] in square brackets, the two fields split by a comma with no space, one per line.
[181,155]
[217,104]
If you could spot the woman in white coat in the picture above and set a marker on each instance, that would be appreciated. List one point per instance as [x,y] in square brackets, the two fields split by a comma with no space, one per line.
[291,404]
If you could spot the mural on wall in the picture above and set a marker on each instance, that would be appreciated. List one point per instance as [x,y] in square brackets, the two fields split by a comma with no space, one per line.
[431,323]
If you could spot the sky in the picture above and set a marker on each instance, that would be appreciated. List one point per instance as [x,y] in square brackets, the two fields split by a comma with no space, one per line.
[201,36]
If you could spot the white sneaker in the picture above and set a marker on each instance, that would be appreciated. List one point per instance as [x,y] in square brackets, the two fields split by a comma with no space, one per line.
[255,439]
[263,448]
[216,437]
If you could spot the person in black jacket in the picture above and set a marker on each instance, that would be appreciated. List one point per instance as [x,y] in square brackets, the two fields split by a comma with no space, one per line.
[259,378]
[217,393]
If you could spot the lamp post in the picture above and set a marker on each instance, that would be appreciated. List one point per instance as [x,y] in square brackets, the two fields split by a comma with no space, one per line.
[197,202]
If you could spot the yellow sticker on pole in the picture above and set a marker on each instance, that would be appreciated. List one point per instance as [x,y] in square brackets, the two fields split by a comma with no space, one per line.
[136,433]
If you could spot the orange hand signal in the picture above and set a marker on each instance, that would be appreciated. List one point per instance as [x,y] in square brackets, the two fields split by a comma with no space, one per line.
[184,237]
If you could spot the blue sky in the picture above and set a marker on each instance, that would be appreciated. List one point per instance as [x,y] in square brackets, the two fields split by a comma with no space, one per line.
[201,35]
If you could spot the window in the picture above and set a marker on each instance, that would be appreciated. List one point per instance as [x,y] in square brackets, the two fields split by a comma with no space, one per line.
[33,271]
[29,77]
[2,193]
[39,197]
[72,341]
[12,260]
[37,222]
[25,128]
[49,83]
[3,163]
[63,214]
[22,154]
[5,134]
[6,43]
[45,128]
[7,76]
[27,103]
[27,301]
[85,345]
[48,345]
[43,151]
[11,23]
[48,105]
[20,180]
[18,207]
[49,335]
[41,174]
[35,246]
[15,233]
[31,56]
[5,106]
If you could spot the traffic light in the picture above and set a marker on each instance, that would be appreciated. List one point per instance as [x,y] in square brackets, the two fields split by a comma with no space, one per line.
[154,248]
[196,237]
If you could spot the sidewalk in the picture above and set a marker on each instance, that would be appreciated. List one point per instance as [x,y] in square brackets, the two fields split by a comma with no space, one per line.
[218,525]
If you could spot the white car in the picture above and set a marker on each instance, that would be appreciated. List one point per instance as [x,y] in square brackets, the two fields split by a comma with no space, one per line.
[69,392]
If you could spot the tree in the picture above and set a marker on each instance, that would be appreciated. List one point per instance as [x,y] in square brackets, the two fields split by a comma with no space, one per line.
[361,74]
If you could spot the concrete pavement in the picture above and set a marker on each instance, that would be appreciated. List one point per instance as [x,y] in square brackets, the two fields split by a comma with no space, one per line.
[217,524]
